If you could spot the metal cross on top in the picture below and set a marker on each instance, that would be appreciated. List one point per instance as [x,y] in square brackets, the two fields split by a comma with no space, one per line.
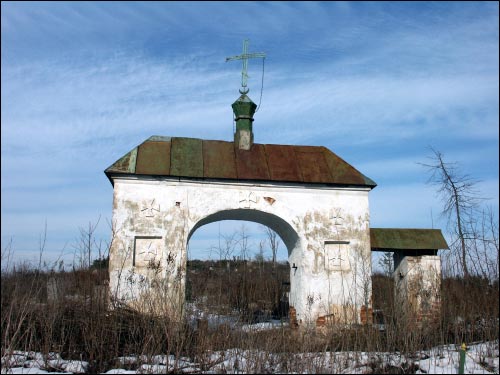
[245,56]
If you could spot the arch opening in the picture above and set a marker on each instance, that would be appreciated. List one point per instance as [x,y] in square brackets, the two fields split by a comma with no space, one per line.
[256,290]
[288,235]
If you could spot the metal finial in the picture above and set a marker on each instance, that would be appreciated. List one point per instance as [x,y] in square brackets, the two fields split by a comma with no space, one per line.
[245,56]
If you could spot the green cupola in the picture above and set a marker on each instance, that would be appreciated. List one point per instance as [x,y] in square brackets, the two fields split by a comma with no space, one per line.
[244,110]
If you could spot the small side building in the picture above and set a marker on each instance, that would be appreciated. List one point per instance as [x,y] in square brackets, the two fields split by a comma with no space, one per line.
[417,269]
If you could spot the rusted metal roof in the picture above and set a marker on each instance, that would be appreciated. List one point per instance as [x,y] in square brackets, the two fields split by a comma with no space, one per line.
[252,164]
[186,157]
[219,160]
[282,163]
[312,164]
[196,158]
[391,239]
[344,171]
[126,164]
[153,158]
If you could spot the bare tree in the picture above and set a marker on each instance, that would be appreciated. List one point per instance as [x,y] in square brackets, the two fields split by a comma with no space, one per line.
[459,194]
[87,245]
[484,243]
[386,262]
[243,242]
[226,248]
[274,242]
[259,256]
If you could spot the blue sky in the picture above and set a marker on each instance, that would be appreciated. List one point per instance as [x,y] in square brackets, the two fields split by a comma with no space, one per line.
[378,83]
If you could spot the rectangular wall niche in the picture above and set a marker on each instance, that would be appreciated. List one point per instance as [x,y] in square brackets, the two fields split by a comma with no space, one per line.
[337,256]
[146,250]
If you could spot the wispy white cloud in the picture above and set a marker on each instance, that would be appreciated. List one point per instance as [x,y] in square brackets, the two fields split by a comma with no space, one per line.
[385,108]
[414,166]
[84,83]
[56,110]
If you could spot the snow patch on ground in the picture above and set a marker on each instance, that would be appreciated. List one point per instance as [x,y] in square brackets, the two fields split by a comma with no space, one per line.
[20,362]
[481,358]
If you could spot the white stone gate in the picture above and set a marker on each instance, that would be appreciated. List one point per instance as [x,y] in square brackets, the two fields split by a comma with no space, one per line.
[166,188]
[325,230]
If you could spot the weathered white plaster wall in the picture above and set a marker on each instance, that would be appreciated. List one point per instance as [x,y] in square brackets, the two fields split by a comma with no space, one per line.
[418,283]
[326,231]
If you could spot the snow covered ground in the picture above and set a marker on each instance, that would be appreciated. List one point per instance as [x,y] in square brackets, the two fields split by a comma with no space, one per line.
[482,358]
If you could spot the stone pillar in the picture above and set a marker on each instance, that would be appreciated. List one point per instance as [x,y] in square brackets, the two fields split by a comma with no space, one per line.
[418,287]
[54,290]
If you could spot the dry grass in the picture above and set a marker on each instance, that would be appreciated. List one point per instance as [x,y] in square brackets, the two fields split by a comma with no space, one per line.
[76,320]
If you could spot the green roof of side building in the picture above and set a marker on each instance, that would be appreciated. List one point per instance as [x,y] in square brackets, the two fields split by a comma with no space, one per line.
[208,159]
[406,239]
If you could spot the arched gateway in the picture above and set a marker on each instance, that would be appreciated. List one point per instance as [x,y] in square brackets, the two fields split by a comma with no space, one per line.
[166,188]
